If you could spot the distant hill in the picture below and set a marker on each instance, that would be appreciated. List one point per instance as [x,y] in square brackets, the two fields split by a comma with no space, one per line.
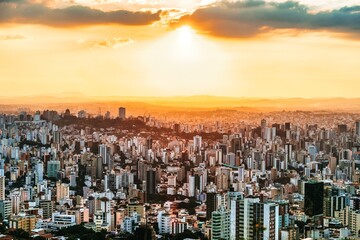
[77,101]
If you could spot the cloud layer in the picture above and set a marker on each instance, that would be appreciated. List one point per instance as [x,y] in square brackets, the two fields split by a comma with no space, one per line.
[112,43]
[250,18]
[19,11]
[224,18]
[12,37]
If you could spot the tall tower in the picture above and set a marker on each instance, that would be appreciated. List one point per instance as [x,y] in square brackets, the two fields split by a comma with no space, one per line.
[2,188]
[220,224]
[191,186]
[266,216]
[314,198]
[40,171]
[57,137]
[62,191]
[357,128]
[242,211]
[122,113]
[210,204]
[288,152]
[197,143]
[104,152]
[236,145]
[150,181]
[263,125]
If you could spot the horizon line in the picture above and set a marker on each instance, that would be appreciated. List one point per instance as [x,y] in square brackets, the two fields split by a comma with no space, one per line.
[74,94]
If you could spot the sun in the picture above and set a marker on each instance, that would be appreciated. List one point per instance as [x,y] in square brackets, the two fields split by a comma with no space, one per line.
[185,34]
[185,43]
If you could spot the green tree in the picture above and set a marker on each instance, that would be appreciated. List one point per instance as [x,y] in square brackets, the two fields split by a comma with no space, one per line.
[20,234]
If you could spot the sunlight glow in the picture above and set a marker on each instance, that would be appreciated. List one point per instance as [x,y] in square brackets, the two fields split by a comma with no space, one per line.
[185,34]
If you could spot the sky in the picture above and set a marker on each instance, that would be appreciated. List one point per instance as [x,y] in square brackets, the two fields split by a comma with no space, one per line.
[247,48]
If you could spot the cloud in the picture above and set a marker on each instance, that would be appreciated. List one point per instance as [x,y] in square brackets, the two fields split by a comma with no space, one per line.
[135,5]
[18,11]
[111,43]
[12,1]
[250,18]
[12,37]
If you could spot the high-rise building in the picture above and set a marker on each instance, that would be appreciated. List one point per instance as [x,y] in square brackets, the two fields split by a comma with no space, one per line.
[242,218]
[236,145]
[122,113]
[191,189]
[177,127]
[40,171]
[62,191]
[252,219]
[53,167]
[328,193]
[149,143]
[107,115]
[2,188]
[266,217]
[15,202]
[81,214]
[284,216]
[5,208]
[355,202]
[210,204]
[222,181]
[199,180]
[104,152]
[197,143]
[91,205]
[57,137]
[354,222]
[263,123]
[164,222]
[288,152]
[351,218]
[150,181]
[67,113]
[178,226]
[99,167]
[2,166]
[314,198]
[342,128]
[357,128]
[290,233]
[135,207]
[72,179]
[312,150]
[48,207]
[220,224]
[26,223]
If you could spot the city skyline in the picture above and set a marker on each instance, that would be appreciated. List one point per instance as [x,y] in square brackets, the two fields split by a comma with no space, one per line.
[171,48]
[289,175]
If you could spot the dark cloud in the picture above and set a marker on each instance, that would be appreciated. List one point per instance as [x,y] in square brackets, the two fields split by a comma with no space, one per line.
[19,11]
[250,18]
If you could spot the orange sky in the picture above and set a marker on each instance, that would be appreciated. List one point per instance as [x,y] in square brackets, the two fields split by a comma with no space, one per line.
[172,48]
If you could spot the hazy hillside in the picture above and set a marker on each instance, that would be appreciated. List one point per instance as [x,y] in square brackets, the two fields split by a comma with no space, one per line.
[151,105]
